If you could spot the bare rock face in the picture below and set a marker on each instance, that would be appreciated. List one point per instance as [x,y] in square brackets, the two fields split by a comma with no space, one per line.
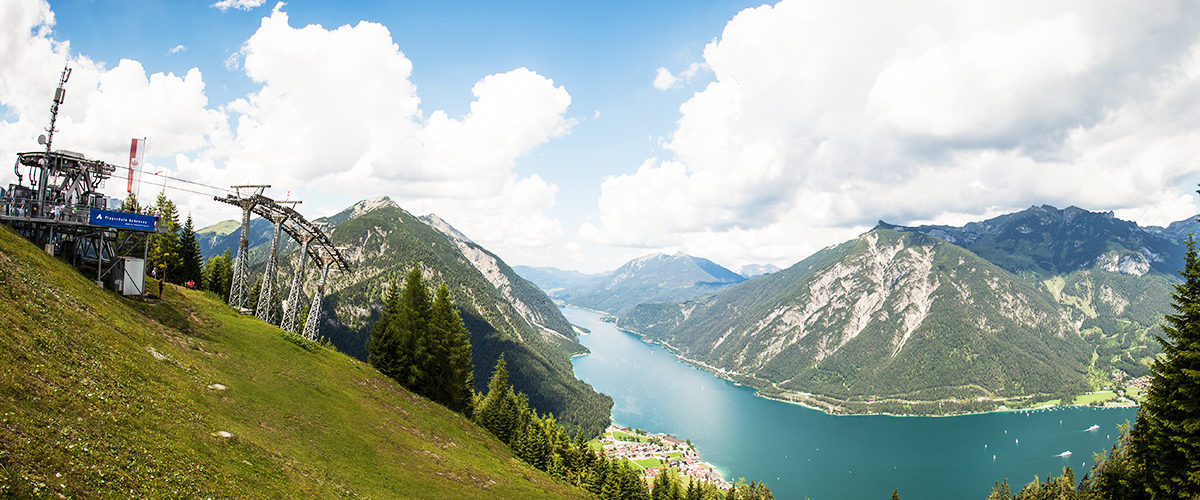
[885,314]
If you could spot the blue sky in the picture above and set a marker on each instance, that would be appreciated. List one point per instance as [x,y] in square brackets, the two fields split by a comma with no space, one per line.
[582,134]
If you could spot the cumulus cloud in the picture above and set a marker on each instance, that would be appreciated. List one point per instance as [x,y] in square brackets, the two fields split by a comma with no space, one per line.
[335,118]
[225,5]
[665,80]
[104,107]
[355,128]
[821,119]
[177,49]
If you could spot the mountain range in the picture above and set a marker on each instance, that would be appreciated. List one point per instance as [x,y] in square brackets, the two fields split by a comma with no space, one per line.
[1020,308]
[504,313]
[651,278]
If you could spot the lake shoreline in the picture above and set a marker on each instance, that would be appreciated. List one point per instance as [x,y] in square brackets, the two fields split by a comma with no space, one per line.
[725,375]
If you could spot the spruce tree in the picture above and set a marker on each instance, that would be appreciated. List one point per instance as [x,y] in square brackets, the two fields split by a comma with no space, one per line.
[383,346]
[414,361]
[491,411]
[1165,440]
[455,380]
[164,251]
[190,259]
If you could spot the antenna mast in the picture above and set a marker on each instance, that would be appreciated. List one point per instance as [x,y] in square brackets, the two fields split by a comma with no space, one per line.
[59,95]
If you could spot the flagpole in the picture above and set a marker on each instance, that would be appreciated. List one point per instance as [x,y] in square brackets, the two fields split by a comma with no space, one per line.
[138,194]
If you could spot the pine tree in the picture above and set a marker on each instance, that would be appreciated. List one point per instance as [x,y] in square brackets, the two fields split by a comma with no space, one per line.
[415,363]
[130,204]
[1000,491]
[896,494]
[454,378]
[491,411]
[1165,439]
[189,254]
[164,251]
[226,272]
[255,290]
[383,346]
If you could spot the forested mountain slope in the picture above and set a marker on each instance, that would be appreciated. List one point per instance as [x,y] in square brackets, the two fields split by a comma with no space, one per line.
[888,321]
[504,313]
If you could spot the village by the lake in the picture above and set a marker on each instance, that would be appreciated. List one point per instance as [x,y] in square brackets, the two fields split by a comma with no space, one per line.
[652,452]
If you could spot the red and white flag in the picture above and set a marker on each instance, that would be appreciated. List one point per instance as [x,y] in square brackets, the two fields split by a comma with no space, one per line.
[136,148]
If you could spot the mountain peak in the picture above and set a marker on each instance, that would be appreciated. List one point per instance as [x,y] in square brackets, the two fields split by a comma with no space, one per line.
[440,224]
[370,205]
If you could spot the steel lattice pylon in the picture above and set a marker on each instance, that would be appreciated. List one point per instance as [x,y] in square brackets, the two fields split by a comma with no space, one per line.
[289,322]
[266,294]
[314,241]
[238,296]
[312,323]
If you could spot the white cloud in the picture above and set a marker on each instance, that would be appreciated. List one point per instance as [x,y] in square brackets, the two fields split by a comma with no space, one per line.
[335,119]
[821,119]
[355,128]
[104,107]
[177,49]
[665,80]
[225,5]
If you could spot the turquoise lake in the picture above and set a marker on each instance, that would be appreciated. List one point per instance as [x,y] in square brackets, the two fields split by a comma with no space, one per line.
[802,452]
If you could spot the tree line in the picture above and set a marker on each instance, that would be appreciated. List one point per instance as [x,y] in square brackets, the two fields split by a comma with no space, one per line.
[545,444]
[174,255]
[423,344]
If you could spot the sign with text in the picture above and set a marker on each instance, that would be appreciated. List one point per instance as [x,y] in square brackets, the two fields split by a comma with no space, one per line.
[123,220]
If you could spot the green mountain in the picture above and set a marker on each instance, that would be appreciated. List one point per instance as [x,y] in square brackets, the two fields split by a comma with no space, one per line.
[225,235]
[504,313]
[653,278]
[888,322]
[102,396]
[1108,280]
[1046,241]
[1111,276]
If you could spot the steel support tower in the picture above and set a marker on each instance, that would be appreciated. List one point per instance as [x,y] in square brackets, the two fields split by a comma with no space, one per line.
[296,295]
[278,215]
[239,296]
[312,325]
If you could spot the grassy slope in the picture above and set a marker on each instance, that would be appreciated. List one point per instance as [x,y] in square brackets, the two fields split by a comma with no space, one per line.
[86,409]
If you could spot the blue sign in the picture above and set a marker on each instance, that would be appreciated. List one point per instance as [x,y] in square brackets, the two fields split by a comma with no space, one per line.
[123,220]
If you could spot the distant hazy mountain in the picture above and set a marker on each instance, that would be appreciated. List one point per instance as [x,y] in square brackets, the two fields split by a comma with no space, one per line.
[937,318]
[752,270]
[557,283]
[504,313]
[1180,229]
[653,278]
[217,238]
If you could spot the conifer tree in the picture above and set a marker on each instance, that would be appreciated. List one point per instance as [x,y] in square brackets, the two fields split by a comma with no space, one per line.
[492,411]
[383,346]
[163,254]
[896,494]
[414,361]
[190,259]
[455,380]
[217,275]
[1165,440]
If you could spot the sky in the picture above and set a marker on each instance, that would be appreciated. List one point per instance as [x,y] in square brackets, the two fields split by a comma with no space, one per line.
[580,135]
